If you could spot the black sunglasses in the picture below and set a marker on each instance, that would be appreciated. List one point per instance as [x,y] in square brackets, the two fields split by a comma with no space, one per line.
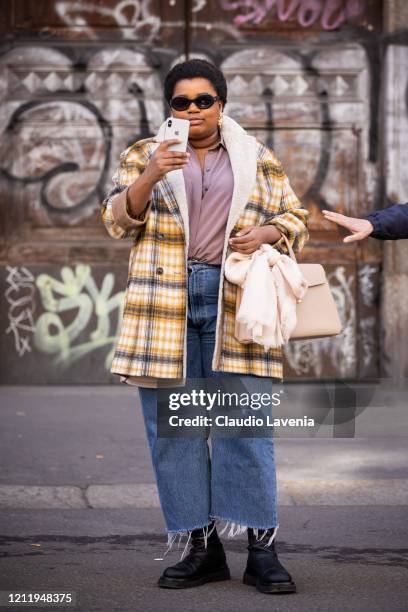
[181,103]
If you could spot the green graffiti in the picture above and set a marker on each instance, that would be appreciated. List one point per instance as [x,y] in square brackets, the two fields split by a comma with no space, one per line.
[76,291]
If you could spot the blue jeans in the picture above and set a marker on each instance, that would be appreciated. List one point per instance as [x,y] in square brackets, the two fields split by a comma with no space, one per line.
[237,482]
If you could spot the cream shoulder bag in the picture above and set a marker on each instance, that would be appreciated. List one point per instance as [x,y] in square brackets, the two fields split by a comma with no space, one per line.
[317,315]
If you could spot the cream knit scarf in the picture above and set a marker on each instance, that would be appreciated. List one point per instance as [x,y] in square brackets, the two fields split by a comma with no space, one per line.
[272,284]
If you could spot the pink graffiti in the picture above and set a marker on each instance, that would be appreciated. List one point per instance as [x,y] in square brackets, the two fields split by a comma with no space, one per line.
[332,13]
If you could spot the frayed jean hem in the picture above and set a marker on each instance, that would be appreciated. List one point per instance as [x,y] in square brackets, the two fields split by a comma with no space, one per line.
[234,529]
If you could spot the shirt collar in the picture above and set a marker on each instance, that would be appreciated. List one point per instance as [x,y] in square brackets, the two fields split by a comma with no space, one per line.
[222,141]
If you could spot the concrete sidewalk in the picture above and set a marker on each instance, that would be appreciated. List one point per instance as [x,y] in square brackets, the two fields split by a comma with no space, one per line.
[79,510]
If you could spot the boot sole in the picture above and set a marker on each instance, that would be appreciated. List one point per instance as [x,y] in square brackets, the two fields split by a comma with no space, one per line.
[276,587]
[181,583]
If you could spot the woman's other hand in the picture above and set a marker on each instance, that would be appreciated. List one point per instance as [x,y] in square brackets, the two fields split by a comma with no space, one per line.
[359,228]
[163,161]
[250,238]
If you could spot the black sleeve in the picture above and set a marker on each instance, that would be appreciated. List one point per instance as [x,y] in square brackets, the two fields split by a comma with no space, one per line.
[390,223]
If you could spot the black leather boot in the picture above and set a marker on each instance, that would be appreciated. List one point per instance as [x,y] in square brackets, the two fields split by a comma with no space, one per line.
[264,569]
[201,565]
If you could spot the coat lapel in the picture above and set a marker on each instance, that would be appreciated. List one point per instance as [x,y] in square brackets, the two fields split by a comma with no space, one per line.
[242,151]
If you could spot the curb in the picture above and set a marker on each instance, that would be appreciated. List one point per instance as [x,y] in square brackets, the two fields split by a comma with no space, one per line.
[311,492]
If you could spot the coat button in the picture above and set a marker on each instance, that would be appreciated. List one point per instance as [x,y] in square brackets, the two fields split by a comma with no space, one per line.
[159,270]
[160,236]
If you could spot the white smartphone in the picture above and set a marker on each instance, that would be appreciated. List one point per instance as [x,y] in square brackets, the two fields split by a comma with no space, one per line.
[176,128]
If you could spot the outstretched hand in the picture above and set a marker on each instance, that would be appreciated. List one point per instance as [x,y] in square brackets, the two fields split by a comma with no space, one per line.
[359,228]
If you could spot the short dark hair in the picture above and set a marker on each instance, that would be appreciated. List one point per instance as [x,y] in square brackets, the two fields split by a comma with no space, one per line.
[192,69]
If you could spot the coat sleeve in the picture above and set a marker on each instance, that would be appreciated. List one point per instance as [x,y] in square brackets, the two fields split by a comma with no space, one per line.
[390,223]
[286,211]
[115,213]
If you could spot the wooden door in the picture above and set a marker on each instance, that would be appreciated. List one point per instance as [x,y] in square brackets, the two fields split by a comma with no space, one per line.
[79,84]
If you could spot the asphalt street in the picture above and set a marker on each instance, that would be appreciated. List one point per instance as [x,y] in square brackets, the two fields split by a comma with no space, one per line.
[79,510]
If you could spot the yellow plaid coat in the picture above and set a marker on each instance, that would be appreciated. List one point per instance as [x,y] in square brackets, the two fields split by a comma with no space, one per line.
[152,346]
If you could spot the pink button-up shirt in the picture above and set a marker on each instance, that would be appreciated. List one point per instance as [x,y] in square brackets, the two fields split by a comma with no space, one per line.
[209,195]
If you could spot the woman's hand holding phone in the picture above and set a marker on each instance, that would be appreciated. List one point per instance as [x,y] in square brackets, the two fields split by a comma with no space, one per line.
[163,161]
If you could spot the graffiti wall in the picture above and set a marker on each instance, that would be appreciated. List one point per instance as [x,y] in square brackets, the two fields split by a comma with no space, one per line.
[80,81]
[57,320]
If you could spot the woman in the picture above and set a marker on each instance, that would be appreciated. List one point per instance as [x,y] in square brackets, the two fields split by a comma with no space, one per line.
[186,212]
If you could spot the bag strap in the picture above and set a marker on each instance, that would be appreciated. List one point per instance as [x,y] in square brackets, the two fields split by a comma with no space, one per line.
[289,247]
